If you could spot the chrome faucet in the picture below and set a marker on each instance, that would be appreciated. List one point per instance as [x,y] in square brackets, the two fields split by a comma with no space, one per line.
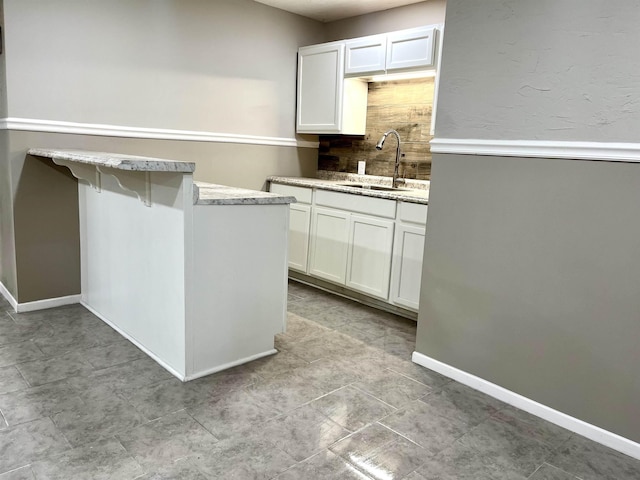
[399,154]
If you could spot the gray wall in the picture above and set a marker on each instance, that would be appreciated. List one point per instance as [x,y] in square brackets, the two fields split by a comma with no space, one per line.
[532,265]
[7,237]
[531,278]
[205,65]
[7,241]
[3,70]
[400,18]
[221,66]
[45,202]
[543,70]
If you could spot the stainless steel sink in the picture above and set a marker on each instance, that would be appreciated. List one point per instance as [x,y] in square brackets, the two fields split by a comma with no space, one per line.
[366,186]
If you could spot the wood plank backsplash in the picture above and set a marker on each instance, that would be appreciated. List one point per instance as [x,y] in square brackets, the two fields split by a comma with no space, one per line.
[404,105]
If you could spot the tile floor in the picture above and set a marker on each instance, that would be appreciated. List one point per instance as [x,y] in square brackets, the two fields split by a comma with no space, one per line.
[340,401]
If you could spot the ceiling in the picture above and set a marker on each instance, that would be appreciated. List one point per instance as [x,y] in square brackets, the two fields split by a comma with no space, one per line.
[330,10]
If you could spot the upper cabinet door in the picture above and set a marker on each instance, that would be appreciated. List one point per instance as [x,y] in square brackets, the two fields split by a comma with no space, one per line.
[320,84]
[411,48]
[365,55]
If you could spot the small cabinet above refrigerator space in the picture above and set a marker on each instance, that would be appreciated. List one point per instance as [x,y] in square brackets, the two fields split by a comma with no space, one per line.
[396,51]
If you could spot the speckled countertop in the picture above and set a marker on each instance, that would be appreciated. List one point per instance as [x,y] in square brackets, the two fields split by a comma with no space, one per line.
[414,191]
[203,193]
[210,194]
[115,160]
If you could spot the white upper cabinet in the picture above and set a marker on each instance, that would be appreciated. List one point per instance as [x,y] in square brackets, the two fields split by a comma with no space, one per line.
[411,49]
[365,55]
[332,77]
[327,102]
[320,73]
[378,54]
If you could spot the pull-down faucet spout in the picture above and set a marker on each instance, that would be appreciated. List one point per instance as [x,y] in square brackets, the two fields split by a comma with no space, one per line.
[399,154]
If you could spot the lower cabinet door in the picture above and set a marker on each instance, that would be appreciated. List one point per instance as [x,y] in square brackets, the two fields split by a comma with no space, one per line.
[299,226]
[369,258]
[329,237]
[407,266]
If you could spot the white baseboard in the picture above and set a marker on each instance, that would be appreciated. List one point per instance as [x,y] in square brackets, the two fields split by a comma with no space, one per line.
[55,126]
[47,303]
[179,375]
[37,304]
[7,295]
[580,427]
[606,151]
[219,368]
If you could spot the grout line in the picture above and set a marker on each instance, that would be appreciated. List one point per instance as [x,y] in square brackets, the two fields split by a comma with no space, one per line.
[3,418]
[400,434]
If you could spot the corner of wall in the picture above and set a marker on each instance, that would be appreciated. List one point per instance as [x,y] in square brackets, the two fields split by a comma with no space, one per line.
[8,276]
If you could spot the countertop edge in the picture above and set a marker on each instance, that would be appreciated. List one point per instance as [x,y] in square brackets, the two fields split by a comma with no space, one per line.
[115,160]
[333,185]
[212,194]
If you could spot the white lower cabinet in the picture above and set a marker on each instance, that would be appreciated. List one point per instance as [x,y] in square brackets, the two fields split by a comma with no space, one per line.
[351,250]
[407,265]
[369,257]
[370,245]
[329,239]
[299,224]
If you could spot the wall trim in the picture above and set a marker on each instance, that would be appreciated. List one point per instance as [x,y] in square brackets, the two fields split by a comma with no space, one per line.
[166,366]
[576,425]
[54,126]
[132,339]
[37,304]
[219,368]
[47,303]
[606,151]
[7,295]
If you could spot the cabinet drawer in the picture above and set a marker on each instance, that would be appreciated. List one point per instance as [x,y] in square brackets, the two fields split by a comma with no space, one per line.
[412,213]
[380,207]
[302,194]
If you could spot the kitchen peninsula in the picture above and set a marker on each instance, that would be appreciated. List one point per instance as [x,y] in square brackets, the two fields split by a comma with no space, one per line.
[194,274]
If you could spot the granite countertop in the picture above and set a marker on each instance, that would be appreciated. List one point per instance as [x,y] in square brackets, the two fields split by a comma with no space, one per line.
[413,191]
[115,160]
[210,194]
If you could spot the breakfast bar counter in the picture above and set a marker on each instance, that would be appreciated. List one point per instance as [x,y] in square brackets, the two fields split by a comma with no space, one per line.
[194,274]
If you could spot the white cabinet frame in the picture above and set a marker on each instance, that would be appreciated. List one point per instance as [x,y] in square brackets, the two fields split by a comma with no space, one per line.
[406,273]
[365,55]
[369,258]
[299,230]
[329,241]
[411,49]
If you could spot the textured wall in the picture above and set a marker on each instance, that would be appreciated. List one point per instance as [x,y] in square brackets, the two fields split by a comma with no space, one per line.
[531,265]
[545,69]
[530,281]
[404,105]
